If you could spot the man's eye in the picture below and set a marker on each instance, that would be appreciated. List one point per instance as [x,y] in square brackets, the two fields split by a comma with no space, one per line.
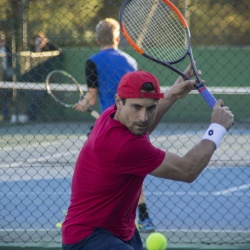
[152,108]
[137,107]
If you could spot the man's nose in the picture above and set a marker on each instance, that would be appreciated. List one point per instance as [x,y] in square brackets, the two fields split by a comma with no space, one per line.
[143,115]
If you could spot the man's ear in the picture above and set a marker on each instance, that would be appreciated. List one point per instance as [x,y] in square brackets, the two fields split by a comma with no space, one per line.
[97,41]
[117,40]
[118,101]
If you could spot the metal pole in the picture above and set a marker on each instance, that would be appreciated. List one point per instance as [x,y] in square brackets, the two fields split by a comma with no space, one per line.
[187,11]
[24,25]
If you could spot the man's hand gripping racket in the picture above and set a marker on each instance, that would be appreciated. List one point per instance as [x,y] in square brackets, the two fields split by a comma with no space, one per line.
[157,30]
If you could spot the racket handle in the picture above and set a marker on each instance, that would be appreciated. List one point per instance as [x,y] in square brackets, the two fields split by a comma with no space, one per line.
[94,113]
[207,96]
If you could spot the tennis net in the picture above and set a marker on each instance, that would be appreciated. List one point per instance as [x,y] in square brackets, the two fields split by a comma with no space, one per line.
[41,86]
[24,92]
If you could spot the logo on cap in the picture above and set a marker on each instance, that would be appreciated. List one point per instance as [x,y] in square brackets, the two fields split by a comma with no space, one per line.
[131,83]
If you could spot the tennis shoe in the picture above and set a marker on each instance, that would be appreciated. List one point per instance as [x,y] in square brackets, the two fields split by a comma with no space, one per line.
[13,119]
[23,118]
[145,226]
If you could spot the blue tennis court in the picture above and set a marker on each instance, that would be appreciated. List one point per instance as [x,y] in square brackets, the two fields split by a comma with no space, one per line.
[36,176]
[34,201]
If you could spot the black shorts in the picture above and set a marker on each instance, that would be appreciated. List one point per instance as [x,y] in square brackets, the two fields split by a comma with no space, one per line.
[102,239]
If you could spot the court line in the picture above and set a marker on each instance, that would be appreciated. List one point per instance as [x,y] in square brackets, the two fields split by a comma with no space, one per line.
[52,142]
[39,192]
[172,193]
[40,159]
[32,145]
[158,229]
[232,190]
[193,193]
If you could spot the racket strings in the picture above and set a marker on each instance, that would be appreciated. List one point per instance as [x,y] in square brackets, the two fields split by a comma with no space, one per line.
[63,88]
[156,29]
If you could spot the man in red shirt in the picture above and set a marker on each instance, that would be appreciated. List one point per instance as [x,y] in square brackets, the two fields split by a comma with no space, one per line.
[117,157]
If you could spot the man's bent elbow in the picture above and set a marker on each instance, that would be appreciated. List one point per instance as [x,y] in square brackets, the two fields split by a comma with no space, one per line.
[193,173]
[191,177]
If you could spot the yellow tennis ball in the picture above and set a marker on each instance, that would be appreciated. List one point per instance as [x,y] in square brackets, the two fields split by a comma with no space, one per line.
[156,241]
[59,224]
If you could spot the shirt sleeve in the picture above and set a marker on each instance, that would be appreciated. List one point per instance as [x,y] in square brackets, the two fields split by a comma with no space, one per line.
[52,47]
[138,156]
[91,74]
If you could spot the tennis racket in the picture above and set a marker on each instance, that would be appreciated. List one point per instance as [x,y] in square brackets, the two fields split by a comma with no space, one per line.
[65,90]
[157,30]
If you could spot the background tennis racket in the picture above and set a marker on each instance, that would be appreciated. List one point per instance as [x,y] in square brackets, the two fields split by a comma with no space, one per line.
[65,90]
[157,30]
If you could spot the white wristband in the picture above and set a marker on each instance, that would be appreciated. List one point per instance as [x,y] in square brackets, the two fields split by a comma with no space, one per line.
[215,133]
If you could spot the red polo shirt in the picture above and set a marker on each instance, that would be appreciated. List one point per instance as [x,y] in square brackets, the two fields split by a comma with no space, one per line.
[107,180]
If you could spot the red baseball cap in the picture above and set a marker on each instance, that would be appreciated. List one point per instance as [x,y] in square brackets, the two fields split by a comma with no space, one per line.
[131,83]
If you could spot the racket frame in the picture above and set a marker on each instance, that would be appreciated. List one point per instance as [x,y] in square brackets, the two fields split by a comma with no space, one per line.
[50,92]
[207,96]
[94,113]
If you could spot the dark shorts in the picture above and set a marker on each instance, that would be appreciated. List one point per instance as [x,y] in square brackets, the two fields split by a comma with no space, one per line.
[102,239]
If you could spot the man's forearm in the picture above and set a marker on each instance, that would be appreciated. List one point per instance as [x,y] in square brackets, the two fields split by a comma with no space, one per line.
[199,157]
[178,91]
[164,105]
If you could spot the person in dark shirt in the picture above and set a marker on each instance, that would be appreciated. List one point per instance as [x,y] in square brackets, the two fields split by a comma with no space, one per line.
[6,74]
[40,43]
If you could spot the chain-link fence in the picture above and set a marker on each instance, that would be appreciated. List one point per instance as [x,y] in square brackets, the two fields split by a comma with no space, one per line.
[40,140]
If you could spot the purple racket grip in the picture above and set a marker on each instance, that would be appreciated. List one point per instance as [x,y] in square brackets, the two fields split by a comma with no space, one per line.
[207,96]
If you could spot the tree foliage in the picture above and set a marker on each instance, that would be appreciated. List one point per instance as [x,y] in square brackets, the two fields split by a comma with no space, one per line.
[72,23]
